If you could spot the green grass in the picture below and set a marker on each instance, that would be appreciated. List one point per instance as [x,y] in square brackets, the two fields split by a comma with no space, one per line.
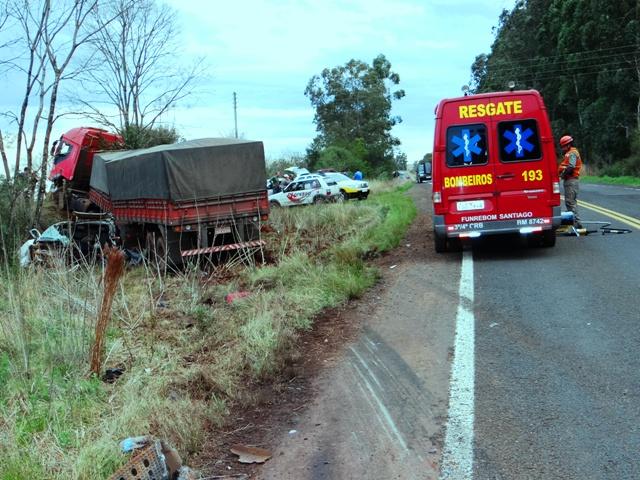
[626,181]
[188,355]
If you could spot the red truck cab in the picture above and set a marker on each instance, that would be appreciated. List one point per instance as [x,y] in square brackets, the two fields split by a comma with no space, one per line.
[73,154]
[494,168]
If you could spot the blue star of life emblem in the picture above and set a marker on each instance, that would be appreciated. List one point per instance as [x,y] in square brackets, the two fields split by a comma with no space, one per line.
[466,145]
[518,140]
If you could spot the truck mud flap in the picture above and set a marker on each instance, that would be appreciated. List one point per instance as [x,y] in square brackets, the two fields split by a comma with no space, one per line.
[223,248]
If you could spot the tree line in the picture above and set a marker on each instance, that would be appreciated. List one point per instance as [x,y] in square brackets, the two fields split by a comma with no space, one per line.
[583,56]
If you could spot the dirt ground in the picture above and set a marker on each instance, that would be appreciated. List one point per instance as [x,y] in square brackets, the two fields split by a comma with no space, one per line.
[367,397]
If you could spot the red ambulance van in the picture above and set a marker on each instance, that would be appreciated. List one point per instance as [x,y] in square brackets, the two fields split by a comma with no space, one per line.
[494,169]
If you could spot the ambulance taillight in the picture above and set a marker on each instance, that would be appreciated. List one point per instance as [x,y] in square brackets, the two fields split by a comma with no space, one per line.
[437,197]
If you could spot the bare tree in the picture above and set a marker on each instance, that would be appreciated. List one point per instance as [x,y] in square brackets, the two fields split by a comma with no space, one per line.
[47,36]
[32,24]
[4,20]
[63,36]
[137,77]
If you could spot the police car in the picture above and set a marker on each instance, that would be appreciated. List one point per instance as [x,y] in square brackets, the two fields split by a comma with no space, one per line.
[306,190]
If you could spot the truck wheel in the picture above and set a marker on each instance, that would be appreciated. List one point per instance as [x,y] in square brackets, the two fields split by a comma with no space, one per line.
[163,251]
[252,232]
[440,242]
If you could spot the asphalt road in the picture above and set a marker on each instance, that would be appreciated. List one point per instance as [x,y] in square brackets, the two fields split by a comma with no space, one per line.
[557,367]
[546,383]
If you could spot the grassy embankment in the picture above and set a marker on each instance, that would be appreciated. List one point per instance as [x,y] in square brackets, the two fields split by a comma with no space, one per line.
[626,181]
[188,355]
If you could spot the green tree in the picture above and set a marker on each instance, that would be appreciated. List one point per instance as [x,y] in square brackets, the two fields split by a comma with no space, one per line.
[140,137]
[583,57]
[341,159]
[353,111]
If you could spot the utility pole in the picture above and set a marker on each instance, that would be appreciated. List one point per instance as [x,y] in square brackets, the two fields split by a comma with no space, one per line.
[235,113]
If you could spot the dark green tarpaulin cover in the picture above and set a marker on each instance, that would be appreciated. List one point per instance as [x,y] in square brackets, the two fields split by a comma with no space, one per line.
[196,169]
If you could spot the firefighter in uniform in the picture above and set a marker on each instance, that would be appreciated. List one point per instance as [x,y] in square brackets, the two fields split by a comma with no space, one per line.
[569,172]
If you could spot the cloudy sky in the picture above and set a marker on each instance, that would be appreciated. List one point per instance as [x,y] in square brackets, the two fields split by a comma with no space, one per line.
[267,51]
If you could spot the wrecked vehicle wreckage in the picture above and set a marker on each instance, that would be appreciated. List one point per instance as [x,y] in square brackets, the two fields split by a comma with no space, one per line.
[82,238]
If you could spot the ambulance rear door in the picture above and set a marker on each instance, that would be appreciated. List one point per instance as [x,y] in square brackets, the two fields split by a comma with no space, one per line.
[468,172]
[523,172]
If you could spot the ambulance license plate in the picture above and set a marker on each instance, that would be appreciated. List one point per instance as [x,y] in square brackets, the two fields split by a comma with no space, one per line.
[470,205]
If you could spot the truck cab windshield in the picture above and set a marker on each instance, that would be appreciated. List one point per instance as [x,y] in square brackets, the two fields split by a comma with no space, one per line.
[62,151]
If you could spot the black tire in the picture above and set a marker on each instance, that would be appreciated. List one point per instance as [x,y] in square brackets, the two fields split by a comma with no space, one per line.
[250,231]
[440,242]
[163,250]
[319,199]
[274,204]
[345,197]
[548,239]
[454,244]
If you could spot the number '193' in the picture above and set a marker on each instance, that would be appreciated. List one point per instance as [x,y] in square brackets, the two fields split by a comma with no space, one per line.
[532,175]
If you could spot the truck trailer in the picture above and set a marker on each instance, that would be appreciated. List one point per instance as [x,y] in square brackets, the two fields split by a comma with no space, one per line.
[175,201]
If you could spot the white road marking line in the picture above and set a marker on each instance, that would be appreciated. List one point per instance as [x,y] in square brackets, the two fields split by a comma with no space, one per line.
[364,364]
[457,454]
[383,409]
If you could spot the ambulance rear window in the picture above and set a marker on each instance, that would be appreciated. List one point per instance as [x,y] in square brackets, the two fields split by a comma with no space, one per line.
[519,141]
[466,145]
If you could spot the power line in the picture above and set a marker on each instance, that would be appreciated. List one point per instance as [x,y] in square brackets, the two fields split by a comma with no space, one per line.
[529,78]
[580,52]
[578,69]
[542,63]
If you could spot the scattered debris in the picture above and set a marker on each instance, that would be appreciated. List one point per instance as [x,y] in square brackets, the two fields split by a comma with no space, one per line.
[494,324]
[185,473]
[433,450]
[112,374]
[393,266]
[292,432]
[162,303]
[248,454]
[152,459]
[133,443]
[232,297]
[133,257]
[146,462]
[171,458]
